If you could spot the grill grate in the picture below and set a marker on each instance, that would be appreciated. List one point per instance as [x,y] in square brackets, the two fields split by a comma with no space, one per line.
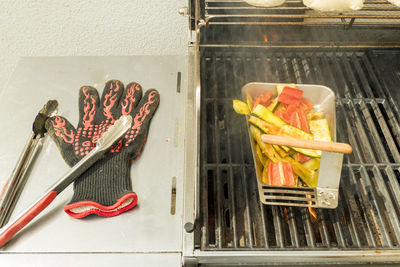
[368,215]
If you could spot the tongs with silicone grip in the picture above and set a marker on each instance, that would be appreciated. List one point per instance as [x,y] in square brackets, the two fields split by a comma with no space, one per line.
[113,133]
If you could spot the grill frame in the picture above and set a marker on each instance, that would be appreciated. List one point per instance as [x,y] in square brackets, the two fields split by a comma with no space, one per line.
[193,253]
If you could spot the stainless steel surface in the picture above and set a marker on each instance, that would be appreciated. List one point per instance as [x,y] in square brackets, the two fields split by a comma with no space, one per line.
[297,258]
[191,187]
[149,227]
[92,259]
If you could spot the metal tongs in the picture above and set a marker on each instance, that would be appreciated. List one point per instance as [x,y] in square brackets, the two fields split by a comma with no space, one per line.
[109,138]
[16,182]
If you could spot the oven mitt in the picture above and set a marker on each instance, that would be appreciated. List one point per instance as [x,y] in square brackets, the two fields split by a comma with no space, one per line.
[105,188]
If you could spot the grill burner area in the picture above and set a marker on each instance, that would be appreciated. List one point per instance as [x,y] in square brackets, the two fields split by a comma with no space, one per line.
[366,84]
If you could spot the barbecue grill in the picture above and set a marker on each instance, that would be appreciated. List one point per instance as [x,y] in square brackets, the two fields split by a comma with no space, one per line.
[354,53]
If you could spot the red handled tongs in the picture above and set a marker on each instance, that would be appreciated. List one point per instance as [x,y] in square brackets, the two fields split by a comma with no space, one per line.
[113,133]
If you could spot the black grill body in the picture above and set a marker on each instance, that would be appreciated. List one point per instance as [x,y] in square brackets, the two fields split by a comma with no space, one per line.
[355,55]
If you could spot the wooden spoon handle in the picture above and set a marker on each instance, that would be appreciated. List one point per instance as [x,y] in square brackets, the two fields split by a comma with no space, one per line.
[309,144]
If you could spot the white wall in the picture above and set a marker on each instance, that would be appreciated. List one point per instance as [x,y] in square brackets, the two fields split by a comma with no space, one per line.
[89,28]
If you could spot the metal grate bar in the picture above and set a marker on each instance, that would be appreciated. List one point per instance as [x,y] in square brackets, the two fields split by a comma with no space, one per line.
[323,230]
[353,223]
[249,228]
[308,228]
[378,117]
[264,227]
[389,178]
[365,146]
[230,215]
[356,211]
[361,77]
[370,74]
[217,183]
[260,233]
[385,132]
[371,200]
[208,234]
[248,233]
[278,227]
[381,84]
[349,135]
[385,205]
[234,226]
[293,228]
[338,72]
[219,237]
[378,85]
[349,72]
[328,74]
[376,141]
[337,221]
[391,120]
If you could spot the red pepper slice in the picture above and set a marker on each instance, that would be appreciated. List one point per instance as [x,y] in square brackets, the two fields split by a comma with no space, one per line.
[304,125]
[280,111]
[306,104]
[302,158]
[280,174]
[298,119]
[290,109]
[290,96]
[294,119]
[264,99]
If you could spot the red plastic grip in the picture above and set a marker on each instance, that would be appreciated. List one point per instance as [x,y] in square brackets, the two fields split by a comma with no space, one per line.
[27,217]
